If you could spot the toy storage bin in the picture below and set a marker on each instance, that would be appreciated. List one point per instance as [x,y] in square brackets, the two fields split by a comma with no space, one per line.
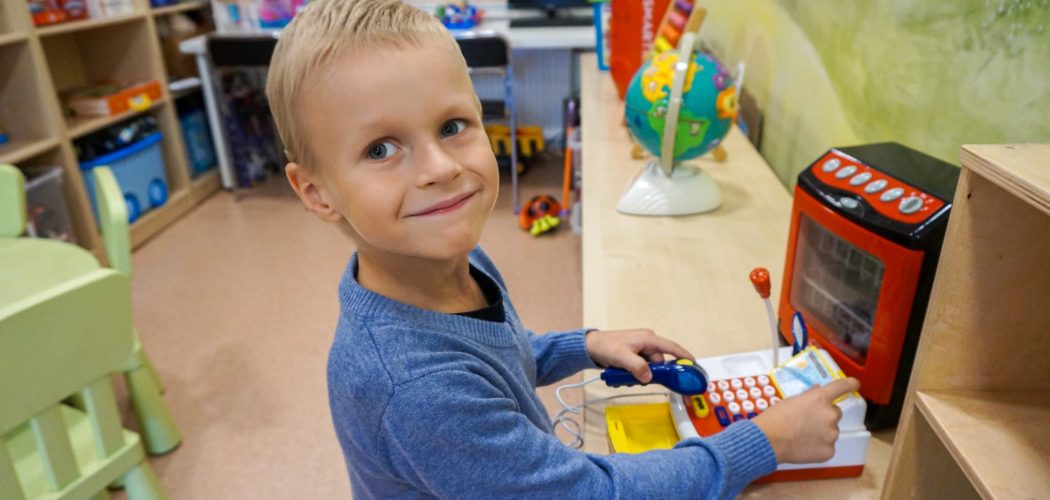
[139,169]
[200,151]
[46,209]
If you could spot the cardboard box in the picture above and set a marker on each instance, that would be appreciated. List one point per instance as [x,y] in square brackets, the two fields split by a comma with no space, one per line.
[111,99]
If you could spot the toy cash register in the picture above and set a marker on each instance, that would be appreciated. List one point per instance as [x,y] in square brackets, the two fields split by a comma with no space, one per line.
[742,386]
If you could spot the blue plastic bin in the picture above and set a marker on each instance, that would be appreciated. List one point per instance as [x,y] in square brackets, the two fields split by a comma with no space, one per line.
[139,169]
[199,149]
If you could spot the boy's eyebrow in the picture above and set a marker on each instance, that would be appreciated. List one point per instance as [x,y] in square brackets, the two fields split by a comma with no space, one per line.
[381,122]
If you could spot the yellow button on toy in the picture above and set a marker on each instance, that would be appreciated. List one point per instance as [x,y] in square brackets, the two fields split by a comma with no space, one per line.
[700,407]
[686,362]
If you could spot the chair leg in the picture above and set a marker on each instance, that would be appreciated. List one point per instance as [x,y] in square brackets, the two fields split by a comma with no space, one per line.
[151,370]
[141,484]
[140,358]
[159,433]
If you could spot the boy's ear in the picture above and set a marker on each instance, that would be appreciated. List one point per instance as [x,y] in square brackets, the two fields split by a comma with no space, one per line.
[314,198]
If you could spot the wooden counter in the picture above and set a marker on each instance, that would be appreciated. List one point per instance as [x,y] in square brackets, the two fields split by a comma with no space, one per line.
[686,277]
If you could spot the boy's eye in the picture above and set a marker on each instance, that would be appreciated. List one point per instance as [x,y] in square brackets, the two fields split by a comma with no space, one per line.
[381,150]
[452,127]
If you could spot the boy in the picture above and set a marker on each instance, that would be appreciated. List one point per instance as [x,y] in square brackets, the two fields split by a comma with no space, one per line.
[431,375]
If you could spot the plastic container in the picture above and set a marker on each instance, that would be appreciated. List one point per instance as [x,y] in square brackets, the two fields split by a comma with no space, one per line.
[139,169]
[640,428]
[48,214]
[200,151]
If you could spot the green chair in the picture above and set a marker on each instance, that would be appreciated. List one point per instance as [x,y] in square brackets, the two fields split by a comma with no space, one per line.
[158,428]
[57,344]
[12,202]
[159,432]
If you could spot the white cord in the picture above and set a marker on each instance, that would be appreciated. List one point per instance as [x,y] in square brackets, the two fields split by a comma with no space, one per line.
[569,424]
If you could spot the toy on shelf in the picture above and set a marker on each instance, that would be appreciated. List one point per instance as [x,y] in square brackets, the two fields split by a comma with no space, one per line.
[276,14]
[678,112]
[107,98]
[540,215]
[459,15]
[530,144]
[46,12]
[624,31]
[679,18]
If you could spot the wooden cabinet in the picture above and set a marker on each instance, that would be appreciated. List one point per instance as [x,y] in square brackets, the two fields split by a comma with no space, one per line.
[976,421]
[37,62]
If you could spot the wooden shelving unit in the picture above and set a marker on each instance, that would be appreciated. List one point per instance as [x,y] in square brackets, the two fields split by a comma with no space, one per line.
[976,422]
[38,62]
[180,7]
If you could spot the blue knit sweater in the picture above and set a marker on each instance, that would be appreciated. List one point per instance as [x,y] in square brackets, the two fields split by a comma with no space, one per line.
[427,404]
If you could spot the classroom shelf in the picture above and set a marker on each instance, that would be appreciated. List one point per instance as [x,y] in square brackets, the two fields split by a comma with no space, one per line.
[204,186]
[20,149]
[38,64]
[7,38]
[976,422]
[179,7]
[79,126]
[87,24]
[979,428]
[153,221]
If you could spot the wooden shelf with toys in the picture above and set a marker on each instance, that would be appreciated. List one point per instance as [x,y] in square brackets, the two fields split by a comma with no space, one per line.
[52,55]
[88,24]
[974,422]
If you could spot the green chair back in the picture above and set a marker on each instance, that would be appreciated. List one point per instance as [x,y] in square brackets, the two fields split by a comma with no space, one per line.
[113,219]
[60,343]
[12,202]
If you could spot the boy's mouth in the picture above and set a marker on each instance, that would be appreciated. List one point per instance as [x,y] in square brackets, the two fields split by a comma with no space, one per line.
[444,207]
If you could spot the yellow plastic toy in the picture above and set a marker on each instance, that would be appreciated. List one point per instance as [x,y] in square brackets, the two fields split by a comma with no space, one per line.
[640,428]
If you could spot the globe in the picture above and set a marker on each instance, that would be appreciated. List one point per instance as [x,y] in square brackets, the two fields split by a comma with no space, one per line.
[709,105]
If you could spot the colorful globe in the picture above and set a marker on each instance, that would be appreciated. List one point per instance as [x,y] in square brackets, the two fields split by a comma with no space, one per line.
[709,105]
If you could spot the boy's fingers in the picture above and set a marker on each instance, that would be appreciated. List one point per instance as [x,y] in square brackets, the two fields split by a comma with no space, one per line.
[670,347]
[839,388]
[638,367]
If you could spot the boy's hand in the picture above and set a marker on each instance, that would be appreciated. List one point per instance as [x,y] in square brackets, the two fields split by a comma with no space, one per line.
[632,350]
[803,429]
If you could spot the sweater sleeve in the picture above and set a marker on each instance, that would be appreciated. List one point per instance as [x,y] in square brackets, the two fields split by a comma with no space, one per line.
[559,354]
[468,441]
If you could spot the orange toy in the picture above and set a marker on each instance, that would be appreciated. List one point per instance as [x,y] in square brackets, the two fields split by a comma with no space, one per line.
[540,215]
[632,30]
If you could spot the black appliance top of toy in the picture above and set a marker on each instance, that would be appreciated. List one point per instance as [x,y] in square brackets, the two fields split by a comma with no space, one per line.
[908,166]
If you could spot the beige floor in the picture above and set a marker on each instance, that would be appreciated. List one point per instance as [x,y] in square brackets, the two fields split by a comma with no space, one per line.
[236,304]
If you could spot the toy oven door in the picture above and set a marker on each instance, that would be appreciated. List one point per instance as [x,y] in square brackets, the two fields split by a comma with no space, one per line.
[854,289]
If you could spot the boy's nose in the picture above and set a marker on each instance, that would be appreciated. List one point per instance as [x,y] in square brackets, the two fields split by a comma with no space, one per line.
[437,166]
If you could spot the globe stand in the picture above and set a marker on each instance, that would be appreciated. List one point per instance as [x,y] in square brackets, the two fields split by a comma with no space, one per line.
[688,190]
[665,187]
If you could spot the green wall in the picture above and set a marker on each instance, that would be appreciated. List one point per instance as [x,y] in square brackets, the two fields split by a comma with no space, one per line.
[933,75]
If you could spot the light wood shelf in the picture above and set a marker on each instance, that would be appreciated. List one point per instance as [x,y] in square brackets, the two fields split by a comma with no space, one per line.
[976,421]
[79,126]
[982,428]
[88,24]
[22,149]
[39,62]
[153,221]
[8,38]
[179,7]
[204,185]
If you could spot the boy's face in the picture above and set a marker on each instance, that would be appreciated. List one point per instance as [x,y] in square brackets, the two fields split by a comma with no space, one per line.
[399,152]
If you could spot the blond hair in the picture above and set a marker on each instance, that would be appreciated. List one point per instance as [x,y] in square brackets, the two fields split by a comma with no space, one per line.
[327,29]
